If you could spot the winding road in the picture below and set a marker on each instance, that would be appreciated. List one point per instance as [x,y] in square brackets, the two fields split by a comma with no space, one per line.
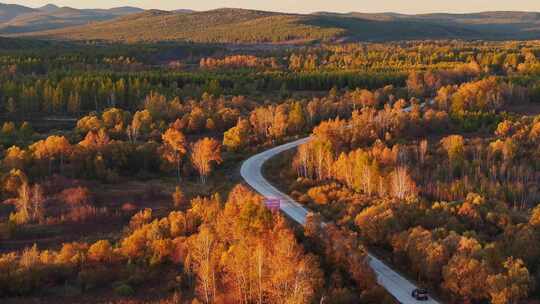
[251,171]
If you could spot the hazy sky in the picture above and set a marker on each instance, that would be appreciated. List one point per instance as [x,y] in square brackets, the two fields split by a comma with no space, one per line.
[306,6]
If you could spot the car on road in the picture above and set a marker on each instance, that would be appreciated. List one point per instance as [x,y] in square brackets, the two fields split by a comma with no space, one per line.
[420,294]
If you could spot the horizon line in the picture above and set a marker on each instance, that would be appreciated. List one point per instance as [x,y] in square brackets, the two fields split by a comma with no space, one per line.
[279,11]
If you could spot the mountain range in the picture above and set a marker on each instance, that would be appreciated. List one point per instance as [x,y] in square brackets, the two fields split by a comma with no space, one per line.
[20,19]
[130,24]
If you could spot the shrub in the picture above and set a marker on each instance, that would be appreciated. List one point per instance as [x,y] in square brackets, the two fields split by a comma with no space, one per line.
[128,207]
[124,290]
[93,277]
[76,196]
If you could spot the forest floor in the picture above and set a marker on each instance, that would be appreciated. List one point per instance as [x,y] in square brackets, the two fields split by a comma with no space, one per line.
[138,194]
[531,108]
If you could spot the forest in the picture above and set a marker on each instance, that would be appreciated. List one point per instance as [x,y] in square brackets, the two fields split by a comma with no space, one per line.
[119,171]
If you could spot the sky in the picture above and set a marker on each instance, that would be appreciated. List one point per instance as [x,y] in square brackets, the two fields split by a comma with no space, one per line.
[306,6]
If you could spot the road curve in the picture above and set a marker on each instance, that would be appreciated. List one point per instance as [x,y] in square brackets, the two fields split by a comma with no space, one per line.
[251,172]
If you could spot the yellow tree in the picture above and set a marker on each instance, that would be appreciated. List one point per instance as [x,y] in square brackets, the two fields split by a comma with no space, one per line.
[296,117]
[22,216]
[204,254]
[511,286]
[115,118]
[89,123]
[402,185]
[454,146]
[100,251]
[29,204]
[15,158]
[205,152]
[238,136]
[466,277]
[174,148]
[178,197]
[8,129]
[36,203]
[95,140]
[141,122]
[12,181]
[294,277]
[50,149]
[279,124]
[240,271]
[534,220]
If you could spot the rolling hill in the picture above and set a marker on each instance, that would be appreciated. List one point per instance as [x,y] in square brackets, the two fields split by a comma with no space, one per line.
[221,25]
[497,25]
[10,11]
[20,19]
[251,26]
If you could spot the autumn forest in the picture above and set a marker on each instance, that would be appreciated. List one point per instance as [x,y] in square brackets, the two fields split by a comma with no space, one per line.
[120,171]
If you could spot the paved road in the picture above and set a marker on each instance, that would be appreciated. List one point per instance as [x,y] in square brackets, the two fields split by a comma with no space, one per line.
[251,171]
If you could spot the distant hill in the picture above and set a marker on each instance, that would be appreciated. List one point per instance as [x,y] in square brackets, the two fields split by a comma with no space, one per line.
[221,25]
[10,11]
[48,8]
[185,11]
[251,26]
[20,19]
[496,25]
